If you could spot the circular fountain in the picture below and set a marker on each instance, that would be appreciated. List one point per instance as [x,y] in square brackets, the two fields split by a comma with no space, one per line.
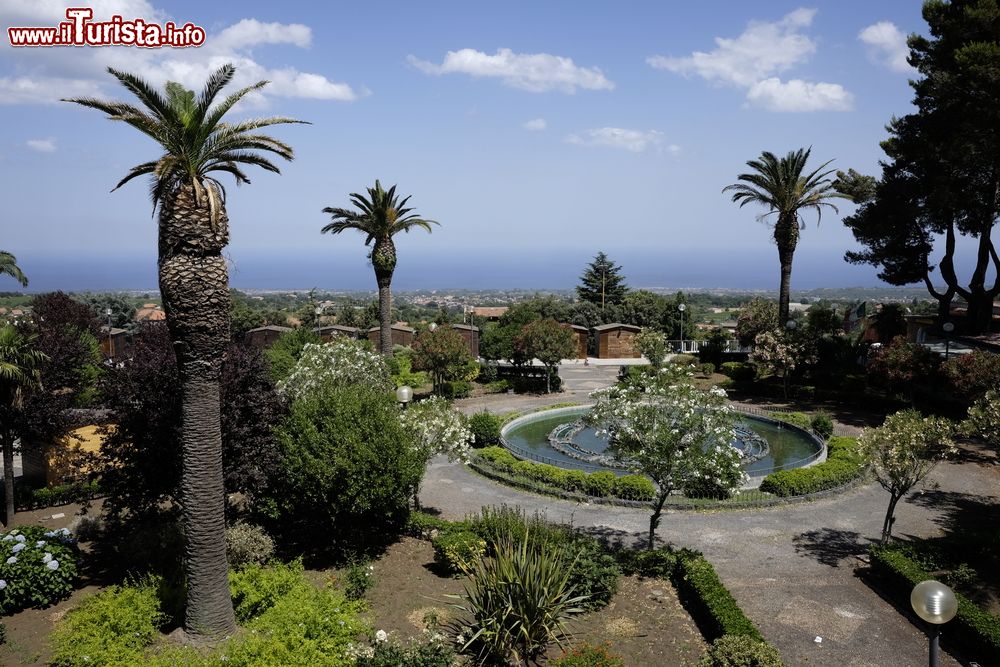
[561,437]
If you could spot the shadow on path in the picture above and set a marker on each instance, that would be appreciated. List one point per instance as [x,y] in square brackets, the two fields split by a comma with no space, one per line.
[830,546]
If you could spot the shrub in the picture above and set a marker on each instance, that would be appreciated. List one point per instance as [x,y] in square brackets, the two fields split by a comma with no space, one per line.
[110,628]
[709,600]
[822,425]
[683,359]
[37,567]
[348,468]
[247,544]
[799,419]
[600,484]
[971,375]
[498,387]
[634,487]
[575,480]
[488,373]
[455,551]
[519,600]
[422,524]
[255,589]
[588,655]
[430,653]
[843,465]
[706,369]
[456,389]
[976,630]
[594,572]
[498,456]
[740,651]
[485,428]
[360,578]
[739,371]
[657,563]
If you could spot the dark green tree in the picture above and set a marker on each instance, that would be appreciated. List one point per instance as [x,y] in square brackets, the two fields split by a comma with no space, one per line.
[122,309]
[442,352]
[783,187]
[602,283]
[549,342]
[942,171]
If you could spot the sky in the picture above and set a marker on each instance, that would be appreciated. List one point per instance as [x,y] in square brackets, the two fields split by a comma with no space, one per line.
[537,134]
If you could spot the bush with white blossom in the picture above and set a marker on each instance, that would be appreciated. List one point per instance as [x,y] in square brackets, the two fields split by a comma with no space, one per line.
[341,362]
[37,567]
[983,420]
[438,428]
[781,352]
[670,430]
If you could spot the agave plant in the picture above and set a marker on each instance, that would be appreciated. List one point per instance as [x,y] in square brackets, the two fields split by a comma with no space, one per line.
[520,599]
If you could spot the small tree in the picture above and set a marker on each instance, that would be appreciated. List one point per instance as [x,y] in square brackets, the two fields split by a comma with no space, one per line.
[902,452]
[652,344]
[549,342]
[671,431]
[781,353]
[984,419]
[602,283]
[442,352]
[756,317]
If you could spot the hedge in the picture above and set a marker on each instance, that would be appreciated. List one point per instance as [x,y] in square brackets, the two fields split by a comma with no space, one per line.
[603,484]
[843,465]
[708,600]
[27,499]
[975,630]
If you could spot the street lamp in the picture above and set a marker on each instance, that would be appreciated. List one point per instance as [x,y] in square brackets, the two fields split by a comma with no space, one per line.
[111,349]
[404,395]
[791,325]
[935,603]
[948,328]
[432,326]
[681,307]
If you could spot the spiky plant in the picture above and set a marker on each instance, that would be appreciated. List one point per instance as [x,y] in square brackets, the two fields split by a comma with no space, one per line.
[19,373]
[194,284]
[380,216]
[8,266]
[779,184]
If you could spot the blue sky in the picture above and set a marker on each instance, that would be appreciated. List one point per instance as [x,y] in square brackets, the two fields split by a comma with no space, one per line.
[536,133]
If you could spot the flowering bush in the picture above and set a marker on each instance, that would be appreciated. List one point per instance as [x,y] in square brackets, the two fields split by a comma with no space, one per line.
[671,431]
[437,428]
[37,567]
[781,353]
[338,363]
[984,419]
[247,544]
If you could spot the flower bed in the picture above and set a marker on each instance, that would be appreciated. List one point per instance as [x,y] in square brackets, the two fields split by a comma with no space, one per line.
[37,567]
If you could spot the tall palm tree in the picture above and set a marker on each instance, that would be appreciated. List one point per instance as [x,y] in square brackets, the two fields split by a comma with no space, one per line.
[380,217]
[194,284]
[779,185]
[8,266]
[19,373]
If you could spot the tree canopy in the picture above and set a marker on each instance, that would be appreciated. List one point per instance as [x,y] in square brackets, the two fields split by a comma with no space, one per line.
[602,283]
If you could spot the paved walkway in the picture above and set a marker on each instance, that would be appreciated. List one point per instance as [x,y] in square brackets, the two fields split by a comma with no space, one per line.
[792,568]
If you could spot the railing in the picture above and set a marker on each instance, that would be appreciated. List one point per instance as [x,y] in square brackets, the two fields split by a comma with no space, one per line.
[694,346]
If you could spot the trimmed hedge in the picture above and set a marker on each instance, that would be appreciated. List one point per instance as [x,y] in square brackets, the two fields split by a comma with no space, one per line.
[708,600]
[975,630]
[603,484]
[843,465]
[739,371]
[27,499]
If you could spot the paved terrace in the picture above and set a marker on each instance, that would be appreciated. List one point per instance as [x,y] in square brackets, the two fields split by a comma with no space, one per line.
[791,568]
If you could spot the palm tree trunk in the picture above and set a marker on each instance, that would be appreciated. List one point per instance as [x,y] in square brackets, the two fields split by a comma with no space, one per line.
[8,476]
[786,235]
[385,317]
[194,284]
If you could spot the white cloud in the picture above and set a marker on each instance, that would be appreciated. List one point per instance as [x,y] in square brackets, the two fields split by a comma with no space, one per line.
[535,124]
[42,76]
[533,72]
[798,95]
[752,60]
[761,50]
[42,145]
[887,45]
[617,137]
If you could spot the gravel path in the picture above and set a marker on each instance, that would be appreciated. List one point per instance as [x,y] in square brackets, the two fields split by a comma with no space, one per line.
[791,568]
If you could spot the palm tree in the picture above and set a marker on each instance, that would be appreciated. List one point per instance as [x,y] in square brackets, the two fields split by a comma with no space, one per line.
[779,185]
[19,373]
[8,266]
[194,284]
[381,216]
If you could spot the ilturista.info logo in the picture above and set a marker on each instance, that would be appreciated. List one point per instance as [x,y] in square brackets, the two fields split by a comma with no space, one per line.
[79,29]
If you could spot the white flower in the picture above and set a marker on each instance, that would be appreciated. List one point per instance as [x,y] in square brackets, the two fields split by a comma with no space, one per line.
[11,560]
[20,538]
[40,543]
[52,565]
[7,538]
[3,584]
[18,547]
[381,636]
[47,557]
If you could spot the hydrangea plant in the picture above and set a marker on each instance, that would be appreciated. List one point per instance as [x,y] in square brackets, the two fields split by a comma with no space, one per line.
[37,567]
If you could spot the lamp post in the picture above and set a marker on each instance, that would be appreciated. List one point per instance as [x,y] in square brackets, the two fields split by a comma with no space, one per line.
[111,343]
[318,311]
[935,603]
[948,328]
[432,326]
[404,395]
[681,307]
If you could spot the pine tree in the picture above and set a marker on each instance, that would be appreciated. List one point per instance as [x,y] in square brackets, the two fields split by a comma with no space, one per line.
[602,283]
